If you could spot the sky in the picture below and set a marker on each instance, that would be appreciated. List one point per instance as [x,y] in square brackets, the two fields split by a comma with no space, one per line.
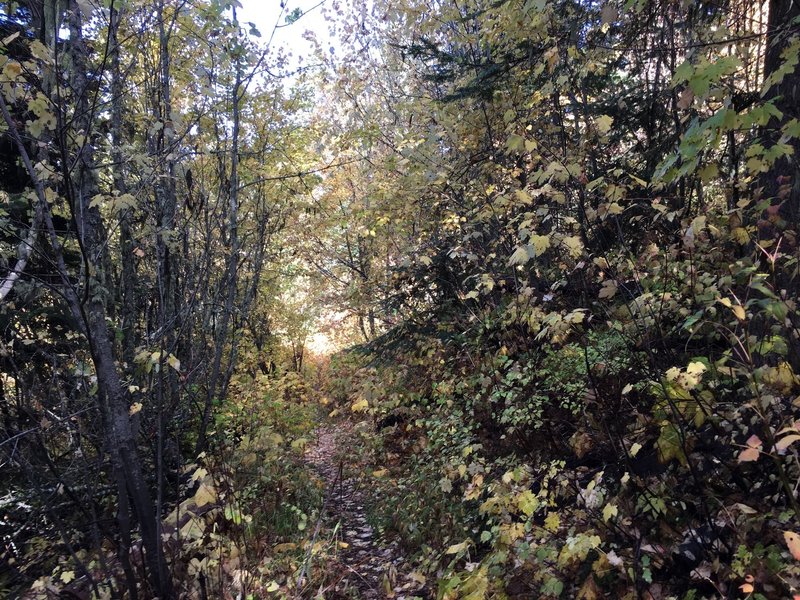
[266,14]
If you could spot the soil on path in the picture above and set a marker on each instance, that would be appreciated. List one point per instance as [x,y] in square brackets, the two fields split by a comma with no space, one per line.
[371,567]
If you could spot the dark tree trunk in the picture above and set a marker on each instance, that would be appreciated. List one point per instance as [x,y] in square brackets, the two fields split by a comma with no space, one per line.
[218,383]
[82,188]
[127,279]
[782,182]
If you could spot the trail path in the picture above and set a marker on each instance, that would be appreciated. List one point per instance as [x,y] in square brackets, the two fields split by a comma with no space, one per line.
[371,567]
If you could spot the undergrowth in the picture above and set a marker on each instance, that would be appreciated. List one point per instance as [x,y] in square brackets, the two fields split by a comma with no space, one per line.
[644,447]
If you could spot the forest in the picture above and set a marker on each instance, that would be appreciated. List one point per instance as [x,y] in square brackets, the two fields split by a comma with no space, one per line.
[475,300]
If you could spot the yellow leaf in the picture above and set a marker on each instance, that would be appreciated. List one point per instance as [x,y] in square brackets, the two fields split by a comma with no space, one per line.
[205,494]
[273,586]
[12,69]
[780,378]
[708,172]
[39,50]
[135,408]
[540,243]
[174,362]
[610,511]
[10,38]
[696,368]
[457,548]
[511,532]
[552,522]
[527,502]
[520,256]
[360,405]
[740,235]
[380,473]
[193,529]
[604,124]
[738,311]
[590,590]
[67,576]
[574,245]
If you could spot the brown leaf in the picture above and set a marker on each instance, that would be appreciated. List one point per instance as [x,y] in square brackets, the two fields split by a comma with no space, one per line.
[608,14]
[786,441]
[749,455]
[793,543]
[685,101]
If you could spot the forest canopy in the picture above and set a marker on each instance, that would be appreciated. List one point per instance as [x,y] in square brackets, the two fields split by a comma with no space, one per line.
[522,274]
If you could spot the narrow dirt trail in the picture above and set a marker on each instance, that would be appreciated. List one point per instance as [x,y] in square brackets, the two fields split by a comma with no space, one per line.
[371,567]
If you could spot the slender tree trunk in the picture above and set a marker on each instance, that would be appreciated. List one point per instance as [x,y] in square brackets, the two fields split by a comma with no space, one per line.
[783,180]
[127,259]
[232,268]
[127,279]
[93,240]
[166,389]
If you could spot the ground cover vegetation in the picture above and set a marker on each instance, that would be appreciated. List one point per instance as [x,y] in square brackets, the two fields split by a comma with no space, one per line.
[559,241]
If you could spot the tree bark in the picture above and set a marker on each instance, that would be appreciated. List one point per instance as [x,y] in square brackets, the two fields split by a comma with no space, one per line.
[127,279]
[215,383]
[783,180]
[92,310]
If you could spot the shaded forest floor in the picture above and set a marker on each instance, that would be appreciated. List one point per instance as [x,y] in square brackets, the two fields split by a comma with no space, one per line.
[368,565]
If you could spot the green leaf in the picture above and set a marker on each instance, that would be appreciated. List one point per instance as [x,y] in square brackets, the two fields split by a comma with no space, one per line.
[669,444]
[682,73]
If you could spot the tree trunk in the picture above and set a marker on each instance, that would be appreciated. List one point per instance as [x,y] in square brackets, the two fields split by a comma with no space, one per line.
[783,180]
[93,241]
[127,279]
[231,272]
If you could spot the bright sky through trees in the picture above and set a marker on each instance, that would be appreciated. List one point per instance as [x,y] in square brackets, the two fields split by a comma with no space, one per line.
[269,16]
